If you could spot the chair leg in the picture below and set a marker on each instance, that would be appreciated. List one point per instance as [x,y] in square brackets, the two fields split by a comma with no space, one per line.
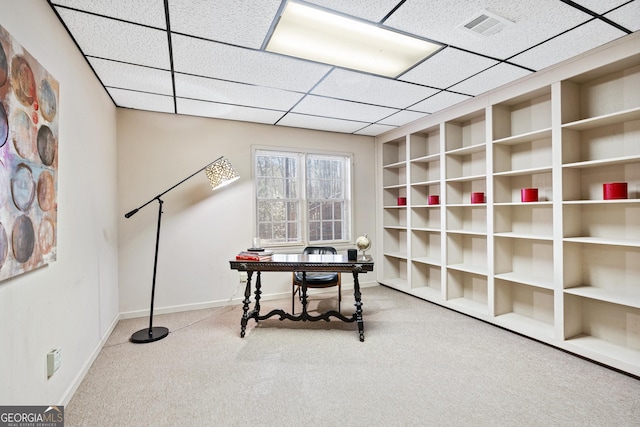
[293,299]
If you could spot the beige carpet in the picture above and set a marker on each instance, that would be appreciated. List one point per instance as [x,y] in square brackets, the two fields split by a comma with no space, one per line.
[420,364]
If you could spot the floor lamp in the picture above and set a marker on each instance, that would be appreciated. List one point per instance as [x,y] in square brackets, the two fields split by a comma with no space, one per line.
[220,173]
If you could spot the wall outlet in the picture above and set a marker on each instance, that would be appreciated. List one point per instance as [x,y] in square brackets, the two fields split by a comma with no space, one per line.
[243,277]
[54,357]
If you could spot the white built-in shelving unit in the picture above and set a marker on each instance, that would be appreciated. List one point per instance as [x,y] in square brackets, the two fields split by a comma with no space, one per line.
[565,269]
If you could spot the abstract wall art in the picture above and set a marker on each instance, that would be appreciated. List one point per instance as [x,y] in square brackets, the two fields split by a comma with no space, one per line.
[29,98]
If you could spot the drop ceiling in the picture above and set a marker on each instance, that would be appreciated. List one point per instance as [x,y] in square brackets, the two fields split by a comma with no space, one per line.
[207,58]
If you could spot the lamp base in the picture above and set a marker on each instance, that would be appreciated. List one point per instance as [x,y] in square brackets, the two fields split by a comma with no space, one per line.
[149,335]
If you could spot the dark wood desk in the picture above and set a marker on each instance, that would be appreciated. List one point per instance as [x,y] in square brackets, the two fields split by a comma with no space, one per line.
[303,263]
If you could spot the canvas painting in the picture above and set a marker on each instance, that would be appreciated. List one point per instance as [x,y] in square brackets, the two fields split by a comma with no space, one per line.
[29,98]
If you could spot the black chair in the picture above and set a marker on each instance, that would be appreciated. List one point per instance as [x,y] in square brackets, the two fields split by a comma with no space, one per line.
[318,279]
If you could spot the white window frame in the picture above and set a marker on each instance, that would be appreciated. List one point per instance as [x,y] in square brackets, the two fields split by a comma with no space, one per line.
[304,202]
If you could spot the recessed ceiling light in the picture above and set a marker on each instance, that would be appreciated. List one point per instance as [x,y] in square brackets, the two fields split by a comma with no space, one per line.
[314,34]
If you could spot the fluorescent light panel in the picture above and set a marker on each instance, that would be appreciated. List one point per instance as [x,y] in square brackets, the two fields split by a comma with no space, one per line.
[313,34]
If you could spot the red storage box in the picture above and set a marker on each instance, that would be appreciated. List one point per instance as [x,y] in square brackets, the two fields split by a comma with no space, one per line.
[614,190]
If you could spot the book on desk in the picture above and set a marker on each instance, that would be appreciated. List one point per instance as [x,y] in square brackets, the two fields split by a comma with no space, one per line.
[254,255]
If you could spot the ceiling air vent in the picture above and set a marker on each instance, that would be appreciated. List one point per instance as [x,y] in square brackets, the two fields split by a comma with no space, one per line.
[485,24]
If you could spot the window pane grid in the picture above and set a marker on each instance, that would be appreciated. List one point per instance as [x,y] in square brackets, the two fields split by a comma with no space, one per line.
[325,180]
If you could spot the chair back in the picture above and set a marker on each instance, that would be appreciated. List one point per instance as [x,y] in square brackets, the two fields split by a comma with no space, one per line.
[318,277]
[321,250]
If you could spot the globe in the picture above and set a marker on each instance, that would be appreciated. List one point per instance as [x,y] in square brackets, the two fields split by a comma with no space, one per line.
[364,244]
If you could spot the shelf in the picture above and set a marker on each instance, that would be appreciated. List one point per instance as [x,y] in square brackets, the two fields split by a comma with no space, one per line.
[508,186]
[470,219]
[602,223]
[396,165]
[426,206]
[512,235]
[524,220]
[469,306]
[426,276]
[395,207]
[427,159]
[604,241]
[426,229]
[467,232]
[603,162]
[466,132]
[399,255]
[425,183]
[526,325]
[545,169]
[425,144]
[425,217]
[526,279]
[525,261]
[467,178]
[425,246]
[525,137]
[604,120]
[394,153]
[394,186]
[622,298]
[427,260]
[592,347]
[394,227]
[469,268]
[427,293]
[464,151]
[602,272]
[396,283]
[601,202]
[530,204]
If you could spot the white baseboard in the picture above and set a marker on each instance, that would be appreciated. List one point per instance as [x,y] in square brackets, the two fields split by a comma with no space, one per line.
[66,398]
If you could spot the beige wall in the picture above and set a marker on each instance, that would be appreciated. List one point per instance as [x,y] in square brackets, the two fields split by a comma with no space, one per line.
[201,230]
[73,302]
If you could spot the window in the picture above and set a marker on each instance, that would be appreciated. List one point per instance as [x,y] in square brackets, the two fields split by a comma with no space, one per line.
[302,197]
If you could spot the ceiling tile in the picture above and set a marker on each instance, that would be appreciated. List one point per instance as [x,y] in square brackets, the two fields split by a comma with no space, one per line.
[200,57]
[574,42]
[458,64]
[370,89]
[374,130]
[600,6]
[439,101]
[440,21]
[135,77]
[490,79]
[208,89]
[224,111]
[111,39]
[370,10]
[328,107]
[145,12]
[402,117]
[242,23]
[320,123]
[141,101]
[628,16]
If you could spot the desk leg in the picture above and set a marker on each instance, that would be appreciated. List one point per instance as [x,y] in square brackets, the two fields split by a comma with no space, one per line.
[304,294]
[258,293]
[356,294]
[245,307]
